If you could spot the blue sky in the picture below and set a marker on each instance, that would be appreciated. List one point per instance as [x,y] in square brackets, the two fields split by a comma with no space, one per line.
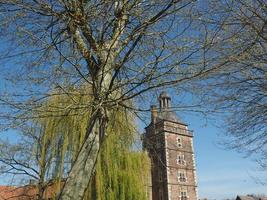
[221,173]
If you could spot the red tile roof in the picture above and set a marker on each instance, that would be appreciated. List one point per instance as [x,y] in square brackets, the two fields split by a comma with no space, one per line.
[18,193]
[28,192]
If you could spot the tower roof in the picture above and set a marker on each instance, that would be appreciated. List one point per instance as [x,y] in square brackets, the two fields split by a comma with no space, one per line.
[165,111]
[169,115]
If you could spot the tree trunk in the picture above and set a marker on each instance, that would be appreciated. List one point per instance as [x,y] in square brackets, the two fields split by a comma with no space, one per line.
[40,195]
[84,166]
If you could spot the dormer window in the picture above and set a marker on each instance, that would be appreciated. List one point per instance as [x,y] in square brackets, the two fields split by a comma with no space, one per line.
[179,142]
[181,159]
[182,177]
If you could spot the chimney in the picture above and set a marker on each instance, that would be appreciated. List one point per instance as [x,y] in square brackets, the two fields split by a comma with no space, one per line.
[154,113]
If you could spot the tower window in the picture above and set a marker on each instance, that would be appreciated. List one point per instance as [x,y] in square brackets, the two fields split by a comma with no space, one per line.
[181,177]
[181,160]
[179,142]
[183,195]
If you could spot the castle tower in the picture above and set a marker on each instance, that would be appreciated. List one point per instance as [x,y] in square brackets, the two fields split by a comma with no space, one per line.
[169,144]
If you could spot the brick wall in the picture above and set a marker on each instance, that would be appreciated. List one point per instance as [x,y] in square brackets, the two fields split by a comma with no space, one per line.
[161,141]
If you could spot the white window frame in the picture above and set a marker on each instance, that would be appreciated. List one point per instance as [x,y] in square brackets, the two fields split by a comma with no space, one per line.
[181,176]
[183,195]
[181,159]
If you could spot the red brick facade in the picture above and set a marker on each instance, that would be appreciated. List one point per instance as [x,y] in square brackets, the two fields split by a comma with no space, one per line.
[169,144]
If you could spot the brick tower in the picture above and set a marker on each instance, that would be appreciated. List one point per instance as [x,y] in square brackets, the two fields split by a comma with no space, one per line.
[169,144]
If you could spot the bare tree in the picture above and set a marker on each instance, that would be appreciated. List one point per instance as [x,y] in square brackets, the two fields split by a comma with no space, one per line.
[123,49]
[27,162]
[239,88]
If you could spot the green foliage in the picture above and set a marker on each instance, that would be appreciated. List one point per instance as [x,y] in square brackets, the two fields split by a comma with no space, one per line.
[121,172]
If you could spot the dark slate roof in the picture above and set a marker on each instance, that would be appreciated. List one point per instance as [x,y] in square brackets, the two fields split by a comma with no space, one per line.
[169,115]
[243,197]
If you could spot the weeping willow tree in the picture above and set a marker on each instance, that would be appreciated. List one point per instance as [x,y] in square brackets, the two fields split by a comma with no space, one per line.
[121,172]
